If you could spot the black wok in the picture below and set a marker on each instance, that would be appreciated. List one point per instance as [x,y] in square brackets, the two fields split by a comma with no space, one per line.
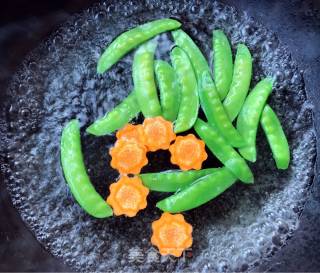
[295,24]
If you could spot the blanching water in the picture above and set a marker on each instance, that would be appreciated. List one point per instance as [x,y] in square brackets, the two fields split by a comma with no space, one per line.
[58,81]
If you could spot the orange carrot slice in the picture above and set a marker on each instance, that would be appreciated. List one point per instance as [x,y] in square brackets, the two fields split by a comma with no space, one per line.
[188,152]
[127,196]
[171,234]
[132,132]
[128,157]
[159,133]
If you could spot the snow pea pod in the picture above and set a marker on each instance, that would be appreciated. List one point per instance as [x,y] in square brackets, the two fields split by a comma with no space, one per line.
[240,82]
[189,102]
[248,119]
[222,62]
[143,79]
[169,89]
[171,181]
[198,61]
[209,98]
[75,173]
[198,193]
[116,118]
[131,39]
[223,151]
[215,112]
[276,137]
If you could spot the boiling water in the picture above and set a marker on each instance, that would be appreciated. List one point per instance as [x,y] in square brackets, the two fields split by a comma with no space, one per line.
[58,81]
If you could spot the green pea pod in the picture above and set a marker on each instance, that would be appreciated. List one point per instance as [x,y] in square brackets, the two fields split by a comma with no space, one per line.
[169,89]
[116,118]
[209,97]
[222,63]
[198,193]
[198,61]
[240,82]
[276,137]
[143,79]
[223,151]
[75,173]
[248,119]
[215,113]
[171,181]
[131,39]
[189,102]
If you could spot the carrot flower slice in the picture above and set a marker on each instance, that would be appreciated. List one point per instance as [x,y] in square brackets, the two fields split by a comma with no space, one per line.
[128,196]
[171,234]
[159,133]
[132,132]
[188,152]
[128,157]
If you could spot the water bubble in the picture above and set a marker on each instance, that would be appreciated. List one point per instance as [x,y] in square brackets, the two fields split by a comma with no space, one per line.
[32,65]
[223,266]
[57,40]
[100,16]
[25,112]
[194,8]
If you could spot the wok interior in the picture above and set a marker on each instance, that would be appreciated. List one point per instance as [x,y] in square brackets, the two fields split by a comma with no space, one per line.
[58,81]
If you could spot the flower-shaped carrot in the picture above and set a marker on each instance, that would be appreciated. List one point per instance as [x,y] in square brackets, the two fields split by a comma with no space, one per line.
[132,132]
[171,234]
[128,157]
[188,152]
[159,133]
[128,196]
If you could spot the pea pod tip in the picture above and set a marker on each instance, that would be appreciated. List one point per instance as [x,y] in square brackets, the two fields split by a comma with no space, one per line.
[90,130]
[160,205]
[250,180]
[101,68]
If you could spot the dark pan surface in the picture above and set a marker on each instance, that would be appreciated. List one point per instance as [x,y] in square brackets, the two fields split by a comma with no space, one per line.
[54,85]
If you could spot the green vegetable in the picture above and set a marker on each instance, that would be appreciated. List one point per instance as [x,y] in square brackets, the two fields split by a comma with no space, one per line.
[223,151]
[196,57]
[116,118]
[131,39]
[215,113]
[200,192]
[169,89]
[76,175]
[189,103]
[171,181]
[248,119]
[240,82]
[276,137]
[222,63]
[143,79]
[209,98]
